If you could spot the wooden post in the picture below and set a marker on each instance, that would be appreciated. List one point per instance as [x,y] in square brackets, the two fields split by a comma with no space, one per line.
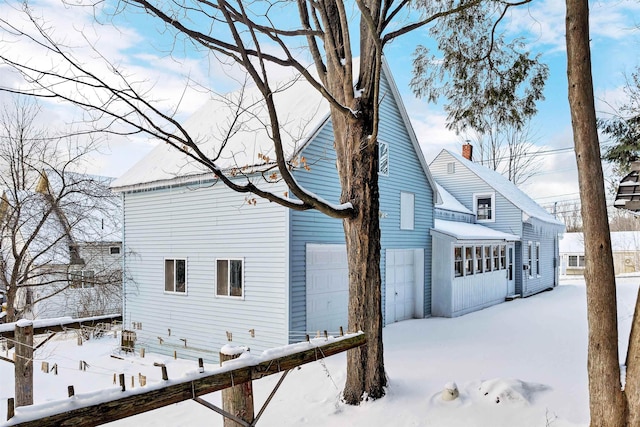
[70,391]
[237,400]
[142,352]
[200,365]
[165,375]
[121,377]
[24,362]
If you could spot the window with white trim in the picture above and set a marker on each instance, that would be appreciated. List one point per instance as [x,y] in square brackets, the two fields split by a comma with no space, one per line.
[484,207]
[479,261]
[229,277]
[383,158]
[530,259]
[457,261]
[538,258]
[487,258]
[175,275]
[407,210]
[468,260]
[114,250]
[81,279]
[576,261]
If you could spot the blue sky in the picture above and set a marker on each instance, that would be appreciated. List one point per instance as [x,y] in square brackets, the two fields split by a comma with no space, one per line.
[135,45]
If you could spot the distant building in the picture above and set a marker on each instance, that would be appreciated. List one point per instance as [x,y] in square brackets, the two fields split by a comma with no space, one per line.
[625,246]
[73,250]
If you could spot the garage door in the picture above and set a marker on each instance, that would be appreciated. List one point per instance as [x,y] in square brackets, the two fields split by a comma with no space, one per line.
[404,284]
[327,287]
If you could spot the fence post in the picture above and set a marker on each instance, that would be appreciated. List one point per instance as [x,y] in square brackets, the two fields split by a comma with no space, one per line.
[24,363]
[236,400]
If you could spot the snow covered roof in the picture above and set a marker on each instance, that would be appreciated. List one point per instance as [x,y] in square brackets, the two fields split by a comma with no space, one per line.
[450,203]
[621,241]
[466,231]
[530,209]
[236,125]
[234,128]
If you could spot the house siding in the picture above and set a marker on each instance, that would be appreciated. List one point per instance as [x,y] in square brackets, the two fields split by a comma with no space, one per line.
[201,224]
[463,184]
[312,226]
[546,277]
[405,174]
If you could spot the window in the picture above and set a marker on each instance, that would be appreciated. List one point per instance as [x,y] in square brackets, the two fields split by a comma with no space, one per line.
[496,257]
[487,258]
[79,279]
[576,260]
[478,259]
[114,250]
[457,261]
[538,258]
[530,262]
[175,275]
[451,168]
[468,260]
[407,208]
[484,207]
[229,276]
[503,257]
[383,158]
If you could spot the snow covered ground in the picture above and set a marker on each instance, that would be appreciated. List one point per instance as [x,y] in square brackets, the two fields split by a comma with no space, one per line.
[522,363]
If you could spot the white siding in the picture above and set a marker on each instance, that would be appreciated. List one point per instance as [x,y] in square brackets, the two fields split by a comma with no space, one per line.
[201,225]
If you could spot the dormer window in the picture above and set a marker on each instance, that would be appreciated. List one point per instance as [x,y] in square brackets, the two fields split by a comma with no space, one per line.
[484,207]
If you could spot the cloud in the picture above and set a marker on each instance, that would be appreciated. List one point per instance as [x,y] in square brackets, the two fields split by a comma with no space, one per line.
[544,22]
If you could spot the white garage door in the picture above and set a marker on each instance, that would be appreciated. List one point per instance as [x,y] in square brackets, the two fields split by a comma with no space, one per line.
[404,284]
[327,287]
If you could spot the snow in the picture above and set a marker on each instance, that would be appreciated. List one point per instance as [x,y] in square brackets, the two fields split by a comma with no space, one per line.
[466,231]
[449,202]
[234,130]
[521,363]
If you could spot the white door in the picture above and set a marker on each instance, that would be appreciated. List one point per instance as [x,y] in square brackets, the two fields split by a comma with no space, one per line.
[404,284]
[327,287]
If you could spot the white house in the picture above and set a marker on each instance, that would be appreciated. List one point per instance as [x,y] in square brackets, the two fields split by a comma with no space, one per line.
[206,261]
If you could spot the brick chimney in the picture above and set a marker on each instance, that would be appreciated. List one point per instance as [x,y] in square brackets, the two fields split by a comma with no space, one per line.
[467,151]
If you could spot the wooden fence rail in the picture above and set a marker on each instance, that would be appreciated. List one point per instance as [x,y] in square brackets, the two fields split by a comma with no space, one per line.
[141,400]
[7,329]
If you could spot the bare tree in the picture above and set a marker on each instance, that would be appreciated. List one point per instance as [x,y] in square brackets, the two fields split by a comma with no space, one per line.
[569,213]
[477,57]
[46,218]
[509,150]
[610,404]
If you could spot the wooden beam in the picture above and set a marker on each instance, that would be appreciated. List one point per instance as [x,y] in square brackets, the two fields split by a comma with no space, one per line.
[64,325]
[142,400]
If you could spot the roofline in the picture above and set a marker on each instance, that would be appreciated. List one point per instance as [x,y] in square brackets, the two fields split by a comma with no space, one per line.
[433,231]
[410,131]
[557,223]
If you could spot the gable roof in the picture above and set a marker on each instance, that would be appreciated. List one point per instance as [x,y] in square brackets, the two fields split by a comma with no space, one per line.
[239,122]
[532,212]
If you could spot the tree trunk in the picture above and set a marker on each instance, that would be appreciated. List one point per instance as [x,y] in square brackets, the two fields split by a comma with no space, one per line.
[606,400]
[632,386]
[365,365]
